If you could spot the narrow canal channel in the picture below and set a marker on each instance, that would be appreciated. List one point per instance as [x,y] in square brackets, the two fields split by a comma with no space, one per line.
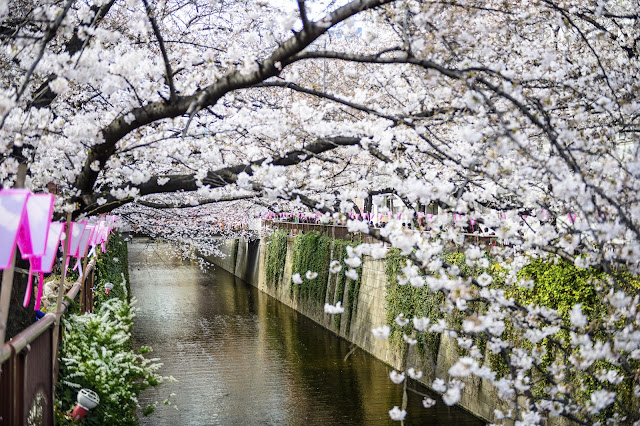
[241,357]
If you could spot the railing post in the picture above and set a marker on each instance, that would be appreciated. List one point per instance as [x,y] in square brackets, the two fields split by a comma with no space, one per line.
[18,379]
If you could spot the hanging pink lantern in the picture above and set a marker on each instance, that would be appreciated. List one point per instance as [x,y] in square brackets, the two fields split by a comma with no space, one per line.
[75,234]
[44,265]
[85,240]
[32,234]
[74,238]
[12,207]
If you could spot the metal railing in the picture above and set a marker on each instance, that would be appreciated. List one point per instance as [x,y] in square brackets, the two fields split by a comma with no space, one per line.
[341,232]
[28,363]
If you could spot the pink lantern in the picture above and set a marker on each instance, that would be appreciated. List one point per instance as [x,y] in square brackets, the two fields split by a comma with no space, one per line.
[32,234]
[12,206]
[44,265]
[76,232]
[85,240]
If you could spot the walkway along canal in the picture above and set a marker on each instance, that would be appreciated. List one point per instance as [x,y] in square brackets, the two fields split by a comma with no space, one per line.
[241,357]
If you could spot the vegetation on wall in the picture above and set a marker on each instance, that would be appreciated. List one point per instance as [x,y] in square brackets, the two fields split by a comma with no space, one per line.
[554,284]
[561,285]
[345,285]
[276,256]
[411,302]
[311,254]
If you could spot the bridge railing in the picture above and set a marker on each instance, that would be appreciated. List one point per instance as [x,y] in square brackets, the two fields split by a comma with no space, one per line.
[28,363]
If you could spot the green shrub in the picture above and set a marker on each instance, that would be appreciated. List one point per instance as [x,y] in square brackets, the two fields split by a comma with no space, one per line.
[96,354]
[113,267]
[96,351]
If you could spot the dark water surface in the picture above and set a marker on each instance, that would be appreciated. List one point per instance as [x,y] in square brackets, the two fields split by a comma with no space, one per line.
[241,357]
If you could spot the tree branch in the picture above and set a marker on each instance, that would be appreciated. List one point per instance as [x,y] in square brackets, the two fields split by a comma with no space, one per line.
[214,179]
[163,50]
[154,111]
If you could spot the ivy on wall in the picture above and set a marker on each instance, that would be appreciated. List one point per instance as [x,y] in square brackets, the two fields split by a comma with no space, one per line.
[276,256]
[561,285]
[311,253]
[411,302]
[344,284]
[556,284]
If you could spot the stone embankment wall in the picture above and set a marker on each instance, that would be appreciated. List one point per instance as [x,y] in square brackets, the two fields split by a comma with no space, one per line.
[248,260]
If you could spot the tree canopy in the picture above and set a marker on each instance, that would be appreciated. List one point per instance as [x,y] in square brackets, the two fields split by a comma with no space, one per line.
[521,115]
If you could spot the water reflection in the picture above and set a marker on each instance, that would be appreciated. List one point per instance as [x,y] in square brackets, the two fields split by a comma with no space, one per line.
[241,357]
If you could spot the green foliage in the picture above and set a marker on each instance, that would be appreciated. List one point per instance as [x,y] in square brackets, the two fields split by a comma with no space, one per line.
[342,283]
[411,302]
[95,354]
[96,350]
[311,253]
[561,285]
[113,267]
[276,256]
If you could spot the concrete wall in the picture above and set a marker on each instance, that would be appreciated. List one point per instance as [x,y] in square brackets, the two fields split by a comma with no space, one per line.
[248,260]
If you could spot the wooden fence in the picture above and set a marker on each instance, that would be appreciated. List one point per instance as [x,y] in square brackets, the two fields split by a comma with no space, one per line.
[28,363]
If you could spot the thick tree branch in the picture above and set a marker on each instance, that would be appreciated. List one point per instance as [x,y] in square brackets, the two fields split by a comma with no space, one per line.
[303,14]
[270,67]
[215,178]
[154,205]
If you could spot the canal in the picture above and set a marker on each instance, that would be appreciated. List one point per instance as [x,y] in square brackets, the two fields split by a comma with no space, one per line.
[240,357]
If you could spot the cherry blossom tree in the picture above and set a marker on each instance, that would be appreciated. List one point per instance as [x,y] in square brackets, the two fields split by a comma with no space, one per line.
[522,116]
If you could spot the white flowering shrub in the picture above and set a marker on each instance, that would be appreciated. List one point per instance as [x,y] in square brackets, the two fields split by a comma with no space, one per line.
[96,354]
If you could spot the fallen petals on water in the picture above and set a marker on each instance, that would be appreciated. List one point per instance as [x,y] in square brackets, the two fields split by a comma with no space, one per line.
[397,414]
